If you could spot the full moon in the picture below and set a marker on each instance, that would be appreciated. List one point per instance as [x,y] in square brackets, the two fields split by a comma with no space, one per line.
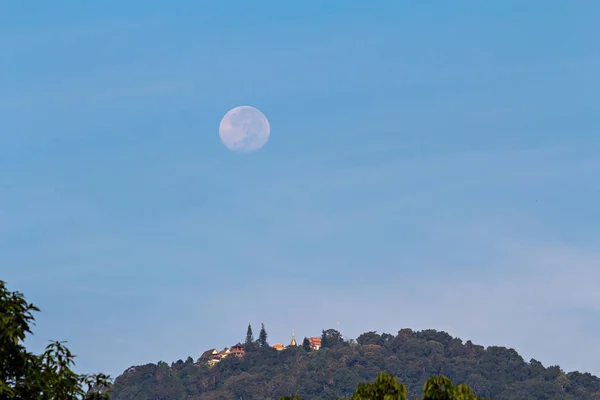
[244,129]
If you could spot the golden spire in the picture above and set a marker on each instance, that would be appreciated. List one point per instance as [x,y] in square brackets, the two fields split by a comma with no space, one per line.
[293,340]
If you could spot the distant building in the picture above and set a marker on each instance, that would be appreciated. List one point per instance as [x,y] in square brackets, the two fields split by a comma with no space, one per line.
[315,343]
[224,353]
[279,346]
[213,360]
[213,356]
[293,343]
[210,357]
[238,350]
[207,355]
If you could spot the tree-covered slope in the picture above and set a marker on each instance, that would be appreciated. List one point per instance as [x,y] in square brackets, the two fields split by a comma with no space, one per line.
[336,370]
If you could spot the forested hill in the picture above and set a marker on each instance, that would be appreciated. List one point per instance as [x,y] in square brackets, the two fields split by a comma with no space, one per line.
[335,371]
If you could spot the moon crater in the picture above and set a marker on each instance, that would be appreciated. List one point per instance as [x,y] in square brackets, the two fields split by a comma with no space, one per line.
[244,129]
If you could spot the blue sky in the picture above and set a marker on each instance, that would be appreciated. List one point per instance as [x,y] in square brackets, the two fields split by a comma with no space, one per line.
[428,167]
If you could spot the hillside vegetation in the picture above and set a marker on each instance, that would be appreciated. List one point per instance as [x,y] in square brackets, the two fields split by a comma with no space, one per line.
[336,370]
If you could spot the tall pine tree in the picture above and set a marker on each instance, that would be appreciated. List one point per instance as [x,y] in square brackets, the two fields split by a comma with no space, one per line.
[306,344]
[262,337]
[249,339]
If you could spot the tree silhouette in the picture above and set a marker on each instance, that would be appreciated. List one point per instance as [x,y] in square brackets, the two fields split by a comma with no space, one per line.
[24,375]
[262,337]
[442,388]
[330,338]
[249,343]
[306,344]
[385,388]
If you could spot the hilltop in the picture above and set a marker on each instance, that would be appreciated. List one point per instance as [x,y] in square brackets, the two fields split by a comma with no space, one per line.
[336,368]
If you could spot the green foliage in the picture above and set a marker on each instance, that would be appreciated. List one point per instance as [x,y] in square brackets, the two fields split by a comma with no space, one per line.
[442,388]
[294,397]
[330,338]
[338,369]
[306,344]
[369,338]
[249,343]
[24,375]
[385,388]
[262,337]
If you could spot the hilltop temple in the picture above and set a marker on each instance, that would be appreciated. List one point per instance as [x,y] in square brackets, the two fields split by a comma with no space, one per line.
[314,342]
[279,346]
[213,356]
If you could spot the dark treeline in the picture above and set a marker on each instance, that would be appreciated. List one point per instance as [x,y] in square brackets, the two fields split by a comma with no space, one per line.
[340,366]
